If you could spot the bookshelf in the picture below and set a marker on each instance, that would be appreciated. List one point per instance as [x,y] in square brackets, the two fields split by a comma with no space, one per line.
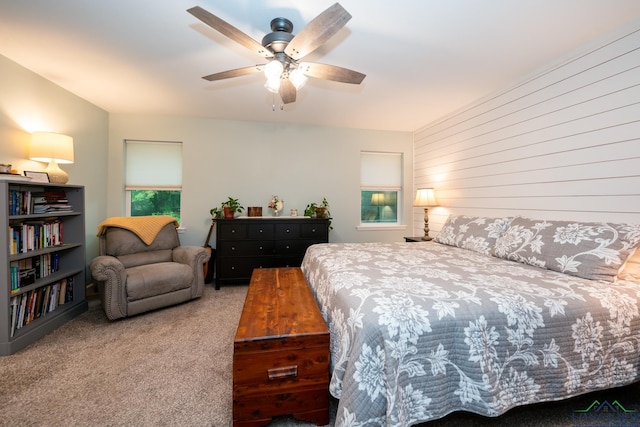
[42,261]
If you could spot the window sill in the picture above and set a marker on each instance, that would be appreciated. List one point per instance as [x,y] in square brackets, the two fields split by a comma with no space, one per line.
[380,227]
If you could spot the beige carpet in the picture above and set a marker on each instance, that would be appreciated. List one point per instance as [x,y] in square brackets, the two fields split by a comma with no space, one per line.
[171,367]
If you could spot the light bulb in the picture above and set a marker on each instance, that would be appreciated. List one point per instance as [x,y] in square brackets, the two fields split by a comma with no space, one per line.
[273,85]
[273,69]
[298,78]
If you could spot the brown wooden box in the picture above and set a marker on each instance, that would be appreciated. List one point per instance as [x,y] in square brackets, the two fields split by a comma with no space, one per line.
[281,352]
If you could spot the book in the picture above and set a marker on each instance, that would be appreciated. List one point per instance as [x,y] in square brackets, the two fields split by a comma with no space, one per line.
[14,313]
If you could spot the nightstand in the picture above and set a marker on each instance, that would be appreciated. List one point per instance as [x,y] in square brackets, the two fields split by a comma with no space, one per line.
[417,239]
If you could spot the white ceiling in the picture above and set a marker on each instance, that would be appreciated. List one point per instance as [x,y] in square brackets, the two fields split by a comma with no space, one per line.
[423,58]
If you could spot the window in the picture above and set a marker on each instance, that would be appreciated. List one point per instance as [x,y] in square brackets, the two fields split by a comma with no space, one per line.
[153,178]
[380,187]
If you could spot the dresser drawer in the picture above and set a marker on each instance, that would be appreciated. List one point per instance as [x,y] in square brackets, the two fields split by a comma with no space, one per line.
[260,231]
[287,231]
[242,267]
[294,260]
[232,231]
[314,231]
[247,248]
[291,247]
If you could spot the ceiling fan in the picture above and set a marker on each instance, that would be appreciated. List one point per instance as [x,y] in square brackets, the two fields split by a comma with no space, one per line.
[285,70]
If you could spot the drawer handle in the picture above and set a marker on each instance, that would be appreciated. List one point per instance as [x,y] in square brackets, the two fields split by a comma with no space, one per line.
[260,247]
[261,230]
[233,231]
[313,230]
[288,231]
[282,373]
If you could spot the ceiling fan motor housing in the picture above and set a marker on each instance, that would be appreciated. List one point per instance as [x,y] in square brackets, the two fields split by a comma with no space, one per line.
[281,35]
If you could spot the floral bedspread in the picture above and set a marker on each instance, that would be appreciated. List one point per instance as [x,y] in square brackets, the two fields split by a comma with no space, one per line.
[420,330]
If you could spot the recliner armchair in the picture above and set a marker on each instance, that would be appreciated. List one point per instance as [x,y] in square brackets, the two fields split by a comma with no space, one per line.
[134,277]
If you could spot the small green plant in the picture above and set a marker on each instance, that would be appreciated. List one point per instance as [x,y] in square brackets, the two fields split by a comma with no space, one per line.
[319,210]
[216,212]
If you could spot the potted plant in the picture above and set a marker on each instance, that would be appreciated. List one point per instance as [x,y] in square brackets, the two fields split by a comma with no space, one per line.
[227,209]
[230,207]
[319,210]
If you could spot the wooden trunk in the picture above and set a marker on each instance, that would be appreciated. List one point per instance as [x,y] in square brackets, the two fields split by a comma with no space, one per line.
[281,352]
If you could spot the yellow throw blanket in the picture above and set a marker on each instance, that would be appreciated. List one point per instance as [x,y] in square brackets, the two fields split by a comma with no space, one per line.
[145,227]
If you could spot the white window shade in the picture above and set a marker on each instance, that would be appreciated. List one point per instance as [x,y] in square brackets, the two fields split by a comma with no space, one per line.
[380,170]
[153,165]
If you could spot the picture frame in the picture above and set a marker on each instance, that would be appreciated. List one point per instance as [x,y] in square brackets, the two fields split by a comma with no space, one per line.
[37,176]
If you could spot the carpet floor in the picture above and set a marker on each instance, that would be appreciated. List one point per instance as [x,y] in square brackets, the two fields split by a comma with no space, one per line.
[172,367]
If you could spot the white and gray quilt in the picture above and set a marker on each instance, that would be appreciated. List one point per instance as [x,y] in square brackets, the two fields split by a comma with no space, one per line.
[420,330]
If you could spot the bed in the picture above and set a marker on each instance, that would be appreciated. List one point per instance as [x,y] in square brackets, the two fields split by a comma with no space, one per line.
[492,314]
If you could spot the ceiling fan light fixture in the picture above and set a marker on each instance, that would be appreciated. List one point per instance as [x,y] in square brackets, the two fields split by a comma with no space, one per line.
[273,85]
[298,78]
[273,70]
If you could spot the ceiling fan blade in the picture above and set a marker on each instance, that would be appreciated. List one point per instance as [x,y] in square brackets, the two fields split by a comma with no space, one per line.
[229,30]
[234,73]
[287,91]
[331,72]
[318,31]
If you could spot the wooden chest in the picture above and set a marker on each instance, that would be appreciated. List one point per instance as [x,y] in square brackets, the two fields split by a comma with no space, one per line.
[281,352]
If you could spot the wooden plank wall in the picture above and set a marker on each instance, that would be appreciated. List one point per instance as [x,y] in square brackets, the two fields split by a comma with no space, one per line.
[563,143]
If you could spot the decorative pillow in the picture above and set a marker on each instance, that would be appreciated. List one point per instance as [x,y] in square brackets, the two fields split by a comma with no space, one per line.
[474,233]
[631,269]
[590,250]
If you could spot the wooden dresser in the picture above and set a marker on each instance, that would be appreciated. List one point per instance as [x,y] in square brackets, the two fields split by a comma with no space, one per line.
[245,243]
[280,352]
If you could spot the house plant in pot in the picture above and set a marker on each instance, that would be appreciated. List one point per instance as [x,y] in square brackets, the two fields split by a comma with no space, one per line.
[231,207]
[227,209]
[319,210]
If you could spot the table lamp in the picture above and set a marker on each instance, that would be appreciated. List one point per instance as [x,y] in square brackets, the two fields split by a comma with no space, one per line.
[425,198]
[53,148]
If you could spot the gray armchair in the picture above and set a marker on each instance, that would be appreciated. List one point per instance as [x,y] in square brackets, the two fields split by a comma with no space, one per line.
[134,277]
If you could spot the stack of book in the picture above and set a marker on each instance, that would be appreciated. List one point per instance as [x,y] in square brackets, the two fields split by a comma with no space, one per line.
[50,202]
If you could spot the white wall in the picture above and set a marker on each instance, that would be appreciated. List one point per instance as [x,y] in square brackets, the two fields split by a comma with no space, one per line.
[562,143]
[30,103]
[252,161]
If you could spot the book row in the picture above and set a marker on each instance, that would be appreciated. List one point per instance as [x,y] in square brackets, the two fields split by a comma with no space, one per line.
[29,306]
[33,235]
[27,202]
[26,271]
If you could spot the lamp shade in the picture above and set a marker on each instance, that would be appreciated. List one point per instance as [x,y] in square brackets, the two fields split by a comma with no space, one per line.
[53,148]
[377,199]
[425,197]
[50,146]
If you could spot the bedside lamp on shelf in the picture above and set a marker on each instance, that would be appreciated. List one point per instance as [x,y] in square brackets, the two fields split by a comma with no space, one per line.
[53,148]
[377,199]
[425,198]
